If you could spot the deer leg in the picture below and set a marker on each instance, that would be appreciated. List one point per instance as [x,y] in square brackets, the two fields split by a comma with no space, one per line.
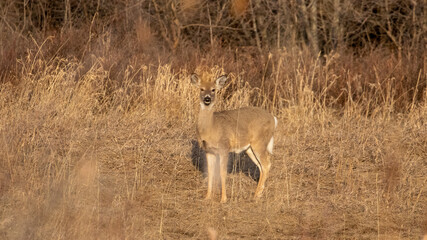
[223,172]
[263,163]
[266,164]
[210,159]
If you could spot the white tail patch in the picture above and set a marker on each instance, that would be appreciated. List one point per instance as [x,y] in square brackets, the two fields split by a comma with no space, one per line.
[270,145]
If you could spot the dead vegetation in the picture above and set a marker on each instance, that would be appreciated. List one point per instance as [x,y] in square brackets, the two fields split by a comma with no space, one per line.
[97,128]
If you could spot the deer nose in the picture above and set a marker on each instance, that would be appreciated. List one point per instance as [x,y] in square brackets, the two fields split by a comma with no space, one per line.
[207,100]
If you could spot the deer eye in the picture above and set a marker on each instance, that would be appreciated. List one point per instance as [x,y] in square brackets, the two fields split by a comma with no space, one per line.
[213,90]
[202,89]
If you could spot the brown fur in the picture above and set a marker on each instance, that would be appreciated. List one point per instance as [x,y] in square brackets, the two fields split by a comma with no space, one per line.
[247,129]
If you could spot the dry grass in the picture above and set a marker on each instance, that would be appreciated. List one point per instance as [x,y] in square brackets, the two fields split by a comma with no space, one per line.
[97,120]
[87,159]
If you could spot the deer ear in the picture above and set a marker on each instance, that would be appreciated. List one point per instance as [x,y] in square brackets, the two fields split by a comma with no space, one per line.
[195,79]
[220,82]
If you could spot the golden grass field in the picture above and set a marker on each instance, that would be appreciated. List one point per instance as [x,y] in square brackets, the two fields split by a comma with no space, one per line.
[84,160]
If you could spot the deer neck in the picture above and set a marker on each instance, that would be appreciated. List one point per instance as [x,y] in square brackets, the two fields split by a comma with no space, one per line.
[206,118]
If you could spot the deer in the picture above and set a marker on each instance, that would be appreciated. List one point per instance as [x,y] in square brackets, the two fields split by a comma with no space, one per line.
[248,129]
